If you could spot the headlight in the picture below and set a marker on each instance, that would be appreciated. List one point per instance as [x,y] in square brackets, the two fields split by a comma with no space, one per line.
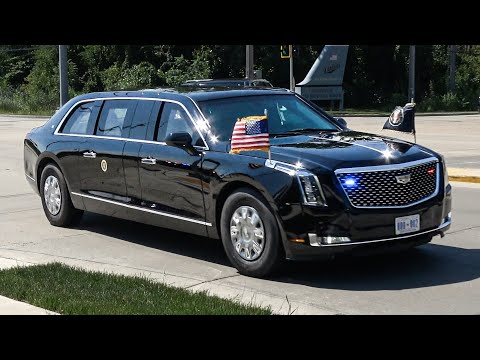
[311,190]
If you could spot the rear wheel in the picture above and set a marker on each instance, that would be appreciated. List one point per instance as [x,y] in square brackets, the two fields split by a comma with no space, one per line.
[56,201]
[250,234]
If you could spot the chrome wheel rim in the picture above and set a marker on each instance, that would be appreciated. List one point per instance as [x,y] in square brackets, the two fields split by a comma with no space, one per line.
[247,233]
[52,195]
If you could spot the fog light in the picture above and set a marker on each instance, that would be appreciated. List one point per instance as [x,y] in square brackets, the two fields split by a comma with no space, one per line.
[327,240]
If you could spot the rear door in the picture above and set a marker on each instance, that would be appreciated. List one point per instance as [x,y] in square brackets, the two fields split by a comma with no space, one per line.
[139,132]
[74,131]
[101,161]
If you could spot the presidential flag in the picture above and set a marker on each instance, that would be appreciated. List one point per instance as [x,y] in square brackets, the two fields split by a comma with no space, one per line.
[402,119]
[250,133]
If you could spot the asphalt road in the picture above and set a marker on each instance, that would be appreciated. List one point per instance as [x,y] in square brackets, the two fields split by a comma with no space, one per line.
[438,278]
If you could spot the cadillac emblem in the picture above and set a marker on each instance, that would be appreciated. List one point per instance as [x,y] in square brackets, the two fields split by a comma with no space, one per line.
[403,179]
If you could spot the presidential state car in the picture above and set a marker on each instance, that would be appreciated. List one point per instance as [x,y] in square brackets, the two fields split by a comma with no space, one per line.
[265,171]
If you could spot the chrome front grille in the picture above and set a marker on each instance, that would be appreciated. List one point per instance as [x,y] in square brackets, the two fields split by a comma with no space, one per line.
[391,186]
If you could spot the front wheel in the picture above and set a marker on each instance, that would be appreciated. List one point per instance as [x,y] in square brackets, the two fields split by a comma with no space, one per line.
[250,234]
[56,201]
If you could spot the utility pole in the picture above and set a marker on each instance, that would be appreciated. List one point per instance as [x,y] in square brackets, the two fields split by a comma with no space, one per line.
[411,75]
[292,81]
[63,67]
[249,62]
[453,65]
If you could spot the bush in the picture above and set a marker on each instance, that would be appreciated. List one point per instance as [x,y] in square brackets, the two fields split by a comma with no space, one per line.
[121,77]
[42,88]
[182,69]
[447,102]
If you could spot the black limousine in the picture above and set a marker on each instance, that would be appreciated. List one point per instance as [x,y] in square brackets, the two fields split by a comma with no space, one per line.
[164,157]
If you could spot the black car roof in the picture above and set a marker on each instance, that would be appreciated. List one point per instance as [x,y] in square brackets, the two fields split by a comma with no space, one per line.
[197,94]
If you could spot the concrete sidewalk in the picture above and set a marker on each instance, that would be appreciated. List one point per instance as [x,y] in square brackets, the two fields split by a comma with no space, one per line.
[13,307]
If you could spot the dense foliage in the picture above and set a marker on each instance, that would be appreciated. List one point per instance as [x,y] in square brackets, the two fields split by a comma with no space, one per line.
[376,77]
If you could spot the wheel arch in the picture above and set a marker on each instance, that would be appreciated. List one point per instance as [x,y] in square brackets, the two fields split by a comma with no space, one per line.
[42,164]
[228,189]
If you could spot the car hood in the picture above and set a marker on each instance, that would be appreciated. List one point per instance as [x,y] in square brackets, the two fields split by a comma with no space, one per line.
[330,151]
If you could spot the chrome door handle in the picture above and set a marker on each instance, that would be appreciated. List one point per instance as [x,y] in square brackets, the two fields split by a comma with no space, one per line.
[149,161]
[90,154]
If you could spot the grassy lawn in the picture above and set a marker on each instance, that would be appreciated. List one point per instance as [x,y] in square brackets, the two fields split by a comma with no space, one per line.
[68,290]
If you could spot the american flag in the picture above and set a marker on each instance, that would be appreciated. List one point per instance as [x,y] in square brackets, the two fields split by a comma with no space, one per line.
[250,133]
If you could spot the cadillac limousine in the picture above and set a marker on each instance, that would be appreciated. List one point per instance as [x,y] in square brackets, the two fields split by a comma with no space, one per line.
[162,157]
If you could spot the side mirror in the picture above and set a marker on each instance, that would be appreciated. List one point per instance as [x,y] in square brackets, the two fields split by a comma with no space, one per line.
[342,122]
[181,140]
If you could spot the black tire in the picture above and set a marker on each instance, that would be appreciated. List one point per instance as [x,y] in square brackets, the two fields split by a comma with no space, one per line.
[272,255]
[68,215]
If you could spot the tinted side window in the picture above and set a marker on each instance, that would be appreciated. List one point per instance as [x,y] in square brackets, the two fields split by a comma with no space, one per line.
[78,121]
[115,117]
[138,129]
[174,119]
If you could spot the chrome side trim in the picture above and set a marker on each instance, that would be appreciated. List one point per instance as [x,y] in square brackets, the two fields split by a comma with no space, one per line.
[389,168]
[56,132]
[31,178]
[402,166]
[143,209]
[442,226]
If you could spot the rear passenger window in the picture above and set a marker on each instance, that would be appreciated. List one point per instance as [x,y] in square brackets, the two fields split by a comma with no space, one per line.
[115,117]
[138,129]
[78,122]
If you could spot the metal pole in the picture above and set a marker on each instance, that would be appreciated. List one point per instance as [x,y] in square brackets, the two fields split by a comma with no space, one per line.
[249,62]
[292,81]
[453,65]
[63,66]
[411,74]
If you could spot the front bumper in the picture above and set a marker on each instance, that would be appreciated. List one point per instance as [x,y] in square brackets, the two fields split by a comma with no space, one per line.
[366,230]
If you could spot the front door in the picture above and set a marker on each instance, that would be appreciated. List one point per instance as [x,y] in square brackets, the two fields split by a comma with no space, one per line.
[170,177]
[101,158]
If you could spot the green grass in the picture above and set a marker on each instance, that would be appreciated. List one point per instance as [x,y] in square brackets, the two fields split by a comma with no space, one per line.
[68,290]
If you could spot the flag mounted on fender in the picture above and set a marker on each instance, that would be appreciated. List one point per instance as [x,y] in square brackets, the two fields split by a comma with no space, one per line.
[402,119]
[250,133]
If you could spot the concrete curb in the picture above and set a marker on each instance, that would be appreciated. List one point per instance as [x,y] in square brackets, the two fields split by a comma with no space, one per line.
[464,175]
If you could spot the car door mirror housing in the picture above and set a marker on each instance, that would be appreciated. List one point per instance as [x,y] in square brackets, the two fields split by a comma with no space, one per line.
[181,140]
[342,122]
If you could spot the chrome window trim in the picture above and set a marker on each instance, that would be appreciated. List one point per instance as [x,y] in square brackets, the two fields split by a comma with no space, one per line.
[440,227]
[200,111]
[390,168]
[143,209]
[58,133]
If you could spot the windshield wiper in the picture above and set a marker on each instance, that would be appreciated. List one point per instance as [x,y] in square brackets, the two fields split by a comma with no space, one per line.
[303,131]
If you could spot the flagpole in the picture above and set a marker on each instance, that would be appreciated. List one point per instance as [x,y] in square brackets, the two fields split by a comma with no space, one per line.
[265,112]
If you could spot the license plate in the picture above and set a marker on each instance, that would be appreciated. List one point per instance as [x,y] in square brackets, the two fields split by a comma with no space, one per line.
[407,224]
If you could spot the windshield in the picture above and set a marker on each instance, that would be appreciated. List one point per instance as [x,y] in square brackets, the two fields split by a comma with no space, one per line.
[285,113]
